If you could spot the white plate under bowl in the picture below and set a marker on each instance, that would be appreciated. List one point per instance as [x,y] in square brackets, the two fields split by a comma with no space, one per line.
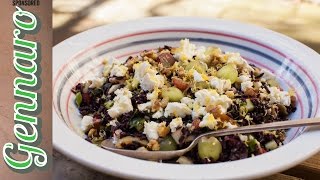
[79,58]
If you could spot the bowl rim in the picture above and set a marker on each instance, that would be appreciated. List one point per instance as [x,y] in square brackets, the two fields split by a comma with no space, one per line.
[147,169]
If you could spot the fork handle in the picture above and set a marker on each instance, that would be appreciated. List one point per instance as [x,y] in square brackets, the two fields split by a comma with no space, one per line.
[266,126]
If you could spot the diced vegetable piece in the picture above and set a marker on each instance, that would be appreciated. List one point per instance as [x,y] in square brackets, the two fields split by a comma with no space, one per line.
[198,66]
[228,71]
[78,99]
[273,83]
[271,145]
[249,105]
[179,83]
[138,123]
[168,144]
[108,104]
[209,148]
[173,94]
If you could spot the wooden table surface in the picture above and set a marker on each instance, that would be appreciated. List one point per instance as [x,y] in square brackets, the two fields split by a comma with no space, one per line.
[298,19]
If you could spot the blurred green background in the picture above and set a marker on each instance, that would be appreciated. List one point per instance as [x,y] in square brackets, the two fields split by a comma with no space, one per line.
[296,18]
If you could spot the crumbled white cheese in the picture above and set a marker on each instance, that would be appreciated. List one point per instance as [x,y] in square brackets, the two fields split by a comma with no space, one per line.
[151,130]
[142,68]
[185,51]
[175,123]
[278,96]
[244,78]
[235,58]
[118,70]
[122,103]
[188,101]
[145,106]
[158,114]
[97,83]
[221,85]
[147,76]
[150,81]
[197,76]
[154,95]
[86,122]
[177,110]
[206,97]
[109,64]
[198,111]
[245,85]
[201,53]
[208,121]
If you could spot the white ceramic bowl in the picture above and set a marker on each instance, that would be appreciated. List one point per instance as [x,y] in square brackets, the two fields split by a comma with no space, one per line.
[79,58]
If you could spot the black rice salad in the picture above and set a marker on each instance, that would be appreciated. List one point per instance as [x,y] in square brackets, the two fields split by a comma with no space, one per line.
[162,99]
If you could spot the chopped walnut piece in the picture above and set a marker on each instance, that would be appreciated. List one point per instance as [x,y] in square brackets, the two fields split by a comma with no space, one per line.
[164,102]
[153,145]
[163,130]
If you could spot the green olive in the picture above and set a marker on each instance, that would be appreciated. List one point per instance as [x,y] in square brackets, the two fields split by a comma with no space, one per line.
[198,66]
[209,148]
[168,144]
[173,94]
[138,123]
[228,71]
[78,99]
